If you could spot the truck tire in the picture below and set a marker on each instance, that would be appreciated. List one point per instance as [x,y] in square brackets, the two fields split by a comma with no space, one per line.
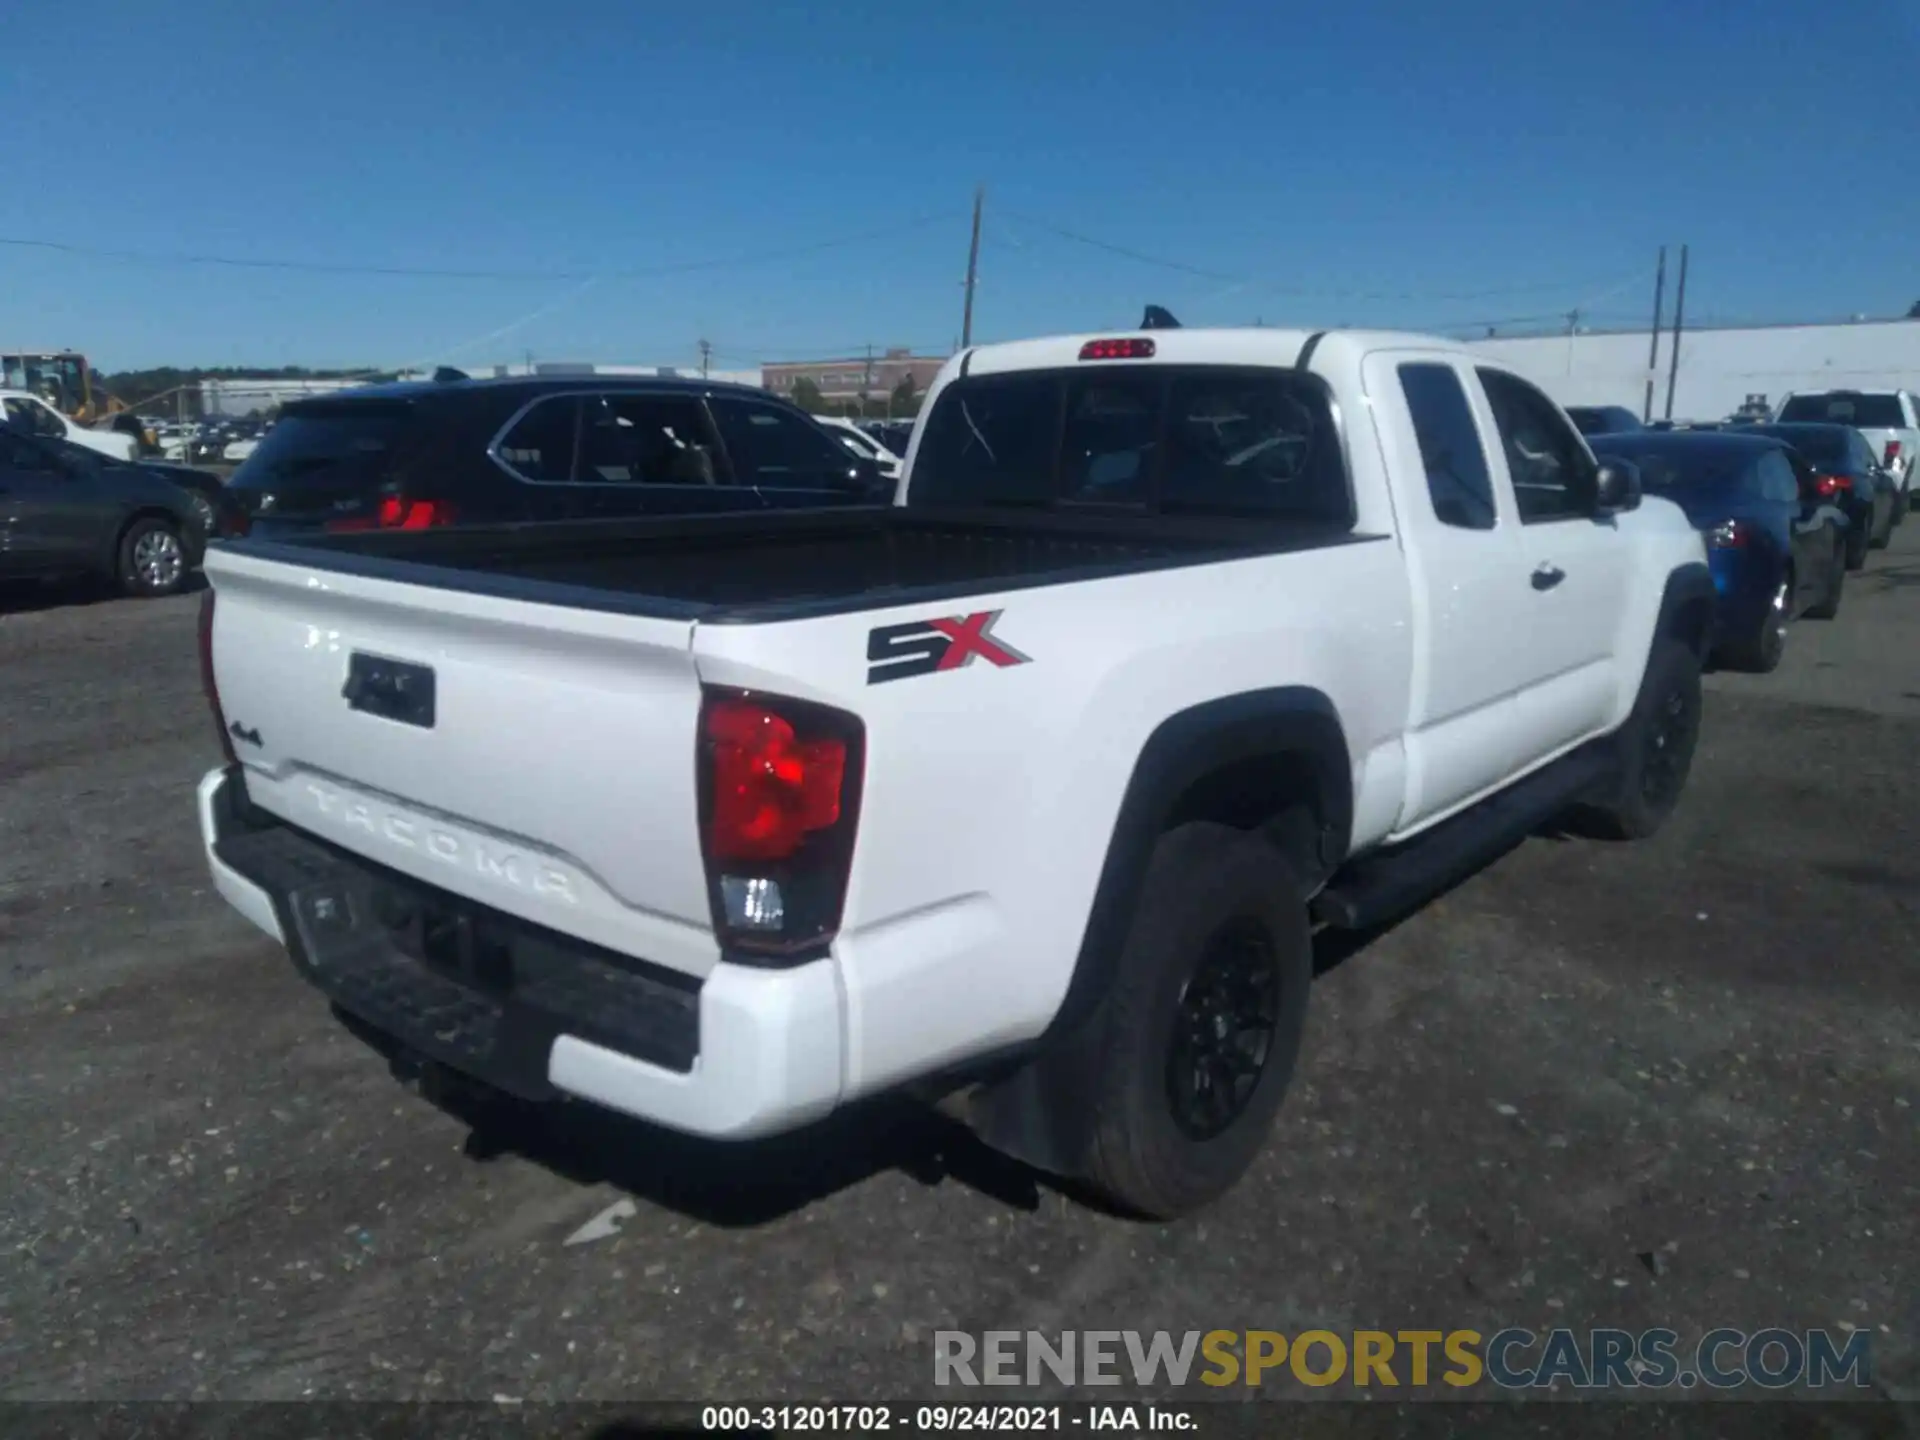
[1654,748]
[1829,605]
[1203,1023]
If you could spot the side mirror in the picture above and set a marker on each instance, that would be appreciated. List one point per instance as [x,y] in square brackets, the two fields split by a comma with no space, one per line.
[1616,487]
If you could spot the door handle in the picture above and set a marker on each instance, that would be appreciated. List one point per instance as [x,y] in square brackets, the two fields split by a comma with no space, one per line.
[1546,576]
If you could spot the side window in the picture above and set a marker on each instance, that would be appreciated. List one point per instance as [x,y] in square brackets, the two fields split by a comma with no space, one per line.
[780,450]
[18,454]
[1859,453]
[1803,475]
[1553,476]
[1450,448]
[32,418]
[539,445]
[642,439]
[1777,481]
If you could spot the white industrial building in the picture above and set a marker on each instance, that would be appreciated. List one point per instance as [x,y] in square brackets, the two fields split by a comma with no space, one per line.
[1719,368]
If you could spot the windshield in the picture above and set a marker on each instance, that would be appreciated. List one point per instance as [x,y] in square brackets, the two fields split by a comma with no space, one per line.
[1601,419]
[1168,438]
[1878,412]
[342,448]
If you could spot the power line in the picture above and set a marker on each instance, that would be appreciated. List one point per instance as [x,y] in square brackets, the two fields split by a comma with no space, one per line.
[145,257]
[1204,273]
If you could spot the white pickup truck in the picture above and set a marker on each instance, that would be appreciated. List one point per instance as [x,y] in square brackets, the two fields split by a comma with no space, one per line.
[1890,420]
[30,415]
[1030,788]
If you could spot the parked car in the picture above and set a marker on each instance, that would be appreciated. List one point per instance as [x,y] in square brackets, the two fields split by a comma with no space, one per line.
[432,453]
[863,444]
[1776,541]
[1889,419]
[894,434]
[1043,773]
[27,414]
[69,510]
[1851,477]
[1593,420]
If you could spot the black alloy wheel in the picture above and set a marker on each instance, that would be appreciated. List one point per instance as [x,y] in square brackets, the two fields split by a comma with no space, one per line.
[1223,1030]
[1672,728]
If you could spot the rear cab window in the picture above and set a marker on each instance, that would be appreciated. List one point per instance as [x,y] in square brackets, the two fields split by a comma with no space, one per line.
[1167,439]
[1873,412]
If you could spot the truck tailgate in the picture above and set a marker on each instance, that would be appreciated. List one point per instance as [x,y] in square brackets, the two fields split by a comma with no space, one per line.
[545,766]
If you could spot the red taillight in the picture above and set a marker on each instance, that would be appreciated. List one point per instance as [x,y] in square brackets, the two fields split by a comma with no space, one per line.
[397,514]
[1827,486]
[208,686]
[1132,349]
[770,788]
[780,789]
[1893,453]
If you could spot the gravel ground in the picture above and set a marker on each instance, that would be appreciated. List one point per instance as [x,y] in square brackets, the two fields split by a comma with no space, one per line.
[1666,1084]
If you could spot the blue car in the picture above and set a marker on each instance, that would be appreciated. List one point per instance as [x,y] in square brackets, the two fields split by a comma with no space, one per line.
[1776,542]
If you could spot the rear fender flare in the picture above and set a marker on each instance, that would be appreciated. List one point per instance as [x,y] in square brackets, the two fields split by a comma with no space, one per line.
[1686,609]
[1293,721]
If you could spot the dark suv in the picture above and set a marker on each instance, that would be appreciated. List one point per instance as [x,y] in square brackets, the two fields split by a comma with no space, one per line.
[545,448]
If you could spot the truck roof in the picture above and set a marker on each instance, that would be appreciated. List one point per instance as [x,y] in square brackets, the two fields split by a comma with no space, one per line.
[1237,345]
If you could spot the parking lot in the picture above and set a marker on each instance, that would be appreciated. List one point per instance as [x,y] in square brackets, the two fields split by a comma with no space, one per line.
[1665,1084]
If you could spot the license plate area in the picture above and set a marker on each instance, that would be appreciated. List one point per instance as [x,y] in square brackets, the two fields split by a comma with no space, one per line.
[396,690]
[458,981]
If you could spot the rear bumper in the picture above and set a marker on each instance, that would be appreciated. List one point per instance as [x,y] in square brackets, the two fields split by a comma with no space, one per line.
[743,1052]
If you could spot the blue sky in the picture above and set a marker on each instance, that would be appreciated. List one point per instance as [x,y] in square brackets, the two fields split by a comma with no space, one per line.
[1413,165]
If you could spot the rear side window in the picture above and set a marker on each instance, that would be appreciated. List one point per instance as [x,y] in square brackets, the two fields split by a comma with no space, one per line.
[1859,452]
[777,449]
[34,419]
[638,439]
[539,446]
[1553,476]
[343,447]
[1776,479]
[1450,448]
[1179,439]
[1875,412]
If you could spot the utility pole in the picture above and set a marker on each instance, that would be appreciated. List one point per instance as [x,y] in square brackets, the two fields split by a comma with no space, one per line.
[973,269]
[1653,348]
[866,381]
[1679,322]
[706,356]
[1573,326]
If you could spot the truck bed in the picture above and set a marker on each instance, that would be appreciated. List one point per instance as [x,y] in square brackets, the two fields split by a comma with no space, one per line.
[783,566]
